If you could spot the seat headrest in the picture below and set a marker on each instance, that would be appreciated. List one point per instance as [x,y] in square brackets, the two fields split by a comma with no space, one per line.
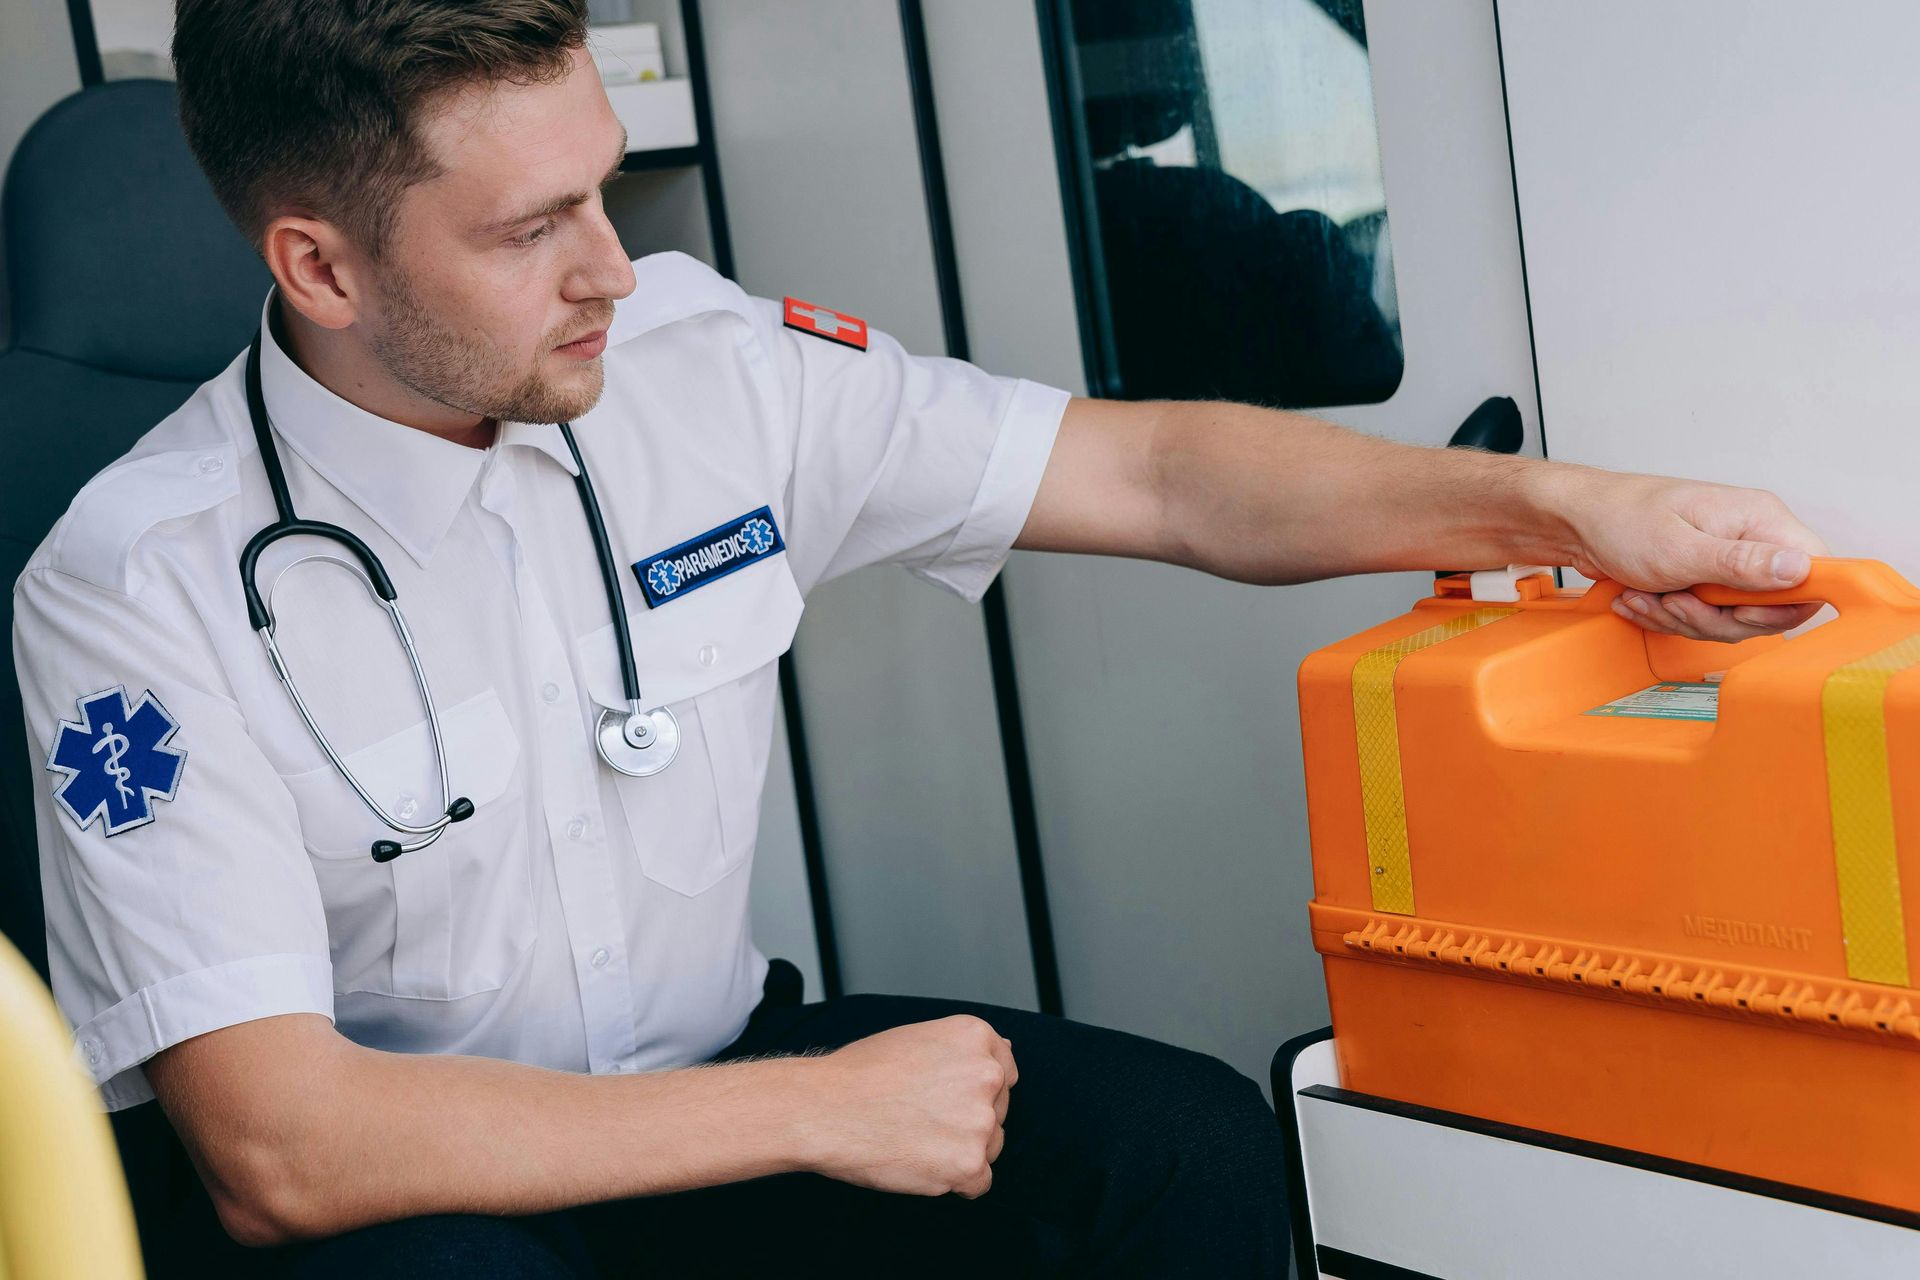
[118,256]
[1140,71]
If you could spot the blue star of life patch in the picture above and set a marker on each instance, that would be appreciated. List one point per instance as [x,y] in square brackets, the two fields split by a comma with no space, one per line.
[710,557]
[115,763]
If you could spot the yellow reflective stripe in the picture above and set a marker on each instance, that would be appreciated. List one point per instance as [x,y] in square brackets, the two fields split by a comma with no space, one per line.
[1376,724]
[1853,708]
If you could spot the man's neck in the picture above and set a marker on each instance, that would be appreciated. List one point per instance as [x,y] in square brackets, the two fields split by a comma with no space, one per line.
[346,368]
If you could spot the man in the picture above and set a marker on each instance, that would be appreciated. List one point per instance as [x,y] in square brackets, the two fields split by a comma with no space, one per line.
[426,1065]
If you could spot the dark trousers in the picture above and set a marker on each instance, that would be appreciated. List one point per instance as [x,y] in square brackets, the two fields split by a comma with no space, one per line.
[1123,1157]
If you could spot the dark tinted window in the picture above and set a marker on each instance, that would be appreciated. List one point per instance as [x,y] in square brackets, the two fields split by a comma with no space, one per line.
[1237,224]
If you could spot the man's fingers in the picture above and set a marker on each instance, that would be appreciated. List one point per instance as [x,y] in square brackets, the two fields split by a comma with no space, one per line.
[1698,620]
[1682,613]
[1003,1054]
[995,1147]
[1752,566]
[1774,617]
[974,1188]
[1645,610]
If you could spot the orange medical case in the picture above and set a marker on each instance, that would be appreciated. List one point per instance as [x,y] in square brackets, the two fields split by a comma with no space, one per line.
[1565,879]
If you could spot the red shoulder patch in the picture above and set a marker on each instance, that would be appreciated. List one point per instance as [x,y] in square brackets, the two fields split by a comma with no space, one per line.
[822,322]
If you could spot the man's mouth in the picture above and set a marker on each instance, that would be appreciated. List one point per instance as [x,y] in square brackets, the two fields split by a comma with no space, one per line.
[585,347]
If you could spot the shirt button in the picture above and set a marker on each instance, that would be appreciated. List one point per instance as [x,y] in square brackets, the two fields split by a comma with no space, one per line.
[550,692]
[709,655]
[407,808]
[212,465]
[576,828]
[600,958]
[92,1049]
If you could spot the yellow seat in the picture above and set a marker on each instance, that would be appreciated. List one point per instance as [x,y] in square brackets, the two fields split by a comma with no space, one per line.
[64,1210]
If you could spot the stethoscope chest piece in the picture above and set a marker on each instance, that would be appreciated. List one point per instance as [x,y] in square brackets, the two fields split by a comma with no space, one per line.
[638,743]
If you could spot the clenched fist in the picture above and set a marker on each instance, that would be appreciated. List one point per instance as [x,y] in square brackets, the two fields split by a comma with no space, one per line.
[916,1110]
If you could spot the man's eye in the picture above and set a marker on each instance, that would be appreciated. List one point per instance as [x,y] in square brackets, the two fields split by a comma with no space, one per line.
[522,241]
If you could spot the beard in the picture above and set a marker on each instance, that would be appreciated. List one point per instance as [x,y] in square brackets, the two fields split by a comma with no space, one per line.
[434,361]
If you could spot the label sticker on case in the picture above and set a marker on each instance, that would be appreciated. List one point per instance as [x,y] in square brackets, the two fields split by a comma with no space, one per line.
[1675,700]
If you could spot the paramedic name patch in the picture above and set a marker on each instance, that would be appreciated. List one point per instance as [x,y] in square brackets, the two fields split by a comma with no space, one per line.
[823,322]
[115,763]
[710,557]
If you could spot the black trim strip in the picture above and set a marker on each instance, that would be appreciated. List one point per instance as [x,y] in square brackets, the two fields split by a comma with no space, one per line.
[707,145]
[806,802]
[86,43]
[1299,1219]
[1077,200]
[1620,1155]
[1006,688]
[662,158]
[1351,1266]
[811,847]
[1519,231]
[1020,802]
[933,177]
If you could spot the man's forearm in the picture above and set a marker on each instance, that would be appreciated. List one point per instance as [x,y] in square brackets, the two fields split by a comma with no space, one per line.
[1266,496]
[369,1137]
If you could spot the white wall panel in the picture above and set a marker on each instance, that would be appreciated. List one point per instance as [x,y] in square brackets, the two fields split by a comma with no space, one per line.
[814,122]
[1159,703]
[1009,227]
[782,916]
[1715,197]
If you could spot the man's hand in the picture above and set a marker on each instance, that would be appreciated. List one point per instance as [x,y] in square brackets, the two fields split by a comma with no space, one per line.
[917,1109]
[1260,495]
[1658,537]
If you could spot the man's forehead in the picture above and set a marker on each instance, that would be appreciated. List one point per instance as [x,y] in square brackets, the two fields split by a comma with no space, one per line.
[499,143]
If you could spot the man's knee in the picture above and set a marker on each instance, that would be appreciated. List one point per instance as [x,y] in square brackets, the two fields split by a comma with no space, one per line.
[1213,1118]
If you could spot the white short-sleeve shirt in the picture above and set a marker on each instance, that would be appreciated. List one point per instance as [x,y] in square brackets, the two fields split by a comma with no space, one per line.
[204,865]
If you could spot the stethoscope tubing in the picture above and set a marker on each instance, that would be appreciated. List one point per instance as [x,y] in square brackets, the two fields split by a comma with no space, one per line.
[609,571]
[326,746]
[650,738]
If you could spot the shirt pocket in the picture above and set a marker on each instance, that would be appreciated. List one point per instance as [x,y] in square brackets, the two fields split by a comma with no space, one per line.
[453,919]
[702,656]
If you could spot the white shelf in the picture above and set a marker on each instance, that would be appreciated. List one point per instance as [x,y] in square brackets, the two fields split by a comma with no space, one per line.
[658,114]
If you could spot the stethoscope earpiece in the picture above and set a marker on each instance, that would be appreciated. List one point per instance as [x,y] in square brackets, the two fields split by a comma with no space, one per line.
[387,850]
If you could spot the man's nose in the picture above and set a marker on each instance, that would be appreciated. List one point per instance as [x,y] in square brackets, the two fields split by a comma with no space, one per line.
[605,270]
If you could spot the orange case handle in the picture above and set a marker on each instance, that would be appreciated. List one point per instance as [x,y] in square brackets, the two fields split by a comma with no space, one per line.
[1843,583]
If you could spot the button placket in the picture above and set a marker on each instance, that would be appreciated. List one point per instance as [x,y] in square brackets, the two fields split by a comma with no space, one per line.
[582,864]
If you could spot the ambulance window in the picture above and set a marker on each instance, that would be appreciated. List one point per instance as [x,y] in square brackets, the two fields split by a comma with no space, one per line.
[1234,222]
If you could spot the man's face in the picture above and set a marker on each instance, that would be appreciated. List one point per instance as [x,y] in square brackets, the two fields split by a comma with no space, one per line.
[499,279]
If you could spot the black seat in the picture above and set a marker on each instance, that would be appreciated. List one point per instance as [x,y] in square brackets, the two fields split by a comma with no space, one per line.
[1216,295]
[127,288]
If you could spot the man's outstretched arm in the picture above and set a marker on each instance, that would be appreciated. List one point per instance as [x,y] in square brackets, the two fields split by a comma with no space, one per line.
[300,1133]
[1266,496]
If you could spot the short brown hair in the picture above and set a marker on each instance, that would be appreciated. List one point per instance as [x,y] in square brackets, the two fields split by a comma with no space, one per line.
[316,102]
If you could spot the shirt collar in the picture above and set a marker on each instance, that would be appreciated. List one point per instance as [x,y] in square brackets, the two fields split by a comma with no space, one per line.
[543,436]
[410,482]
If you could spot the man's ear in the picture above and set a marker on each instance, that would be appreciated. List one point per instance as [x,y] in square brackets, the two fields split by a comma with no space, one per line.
[320,273]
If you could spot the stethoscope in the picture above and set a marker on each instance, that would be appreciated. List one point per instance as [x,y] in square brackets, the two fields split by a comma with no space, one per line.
[637,741]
